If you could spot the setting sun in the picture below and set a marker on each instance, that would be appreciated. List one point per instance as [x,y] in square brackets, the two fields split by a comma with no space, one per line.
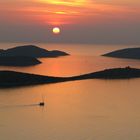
[56,30]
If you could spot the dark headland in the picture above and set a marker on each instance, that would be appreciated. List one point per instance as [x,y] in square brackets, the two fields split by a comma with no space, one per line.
[15,79]
[130,53]
[26,55]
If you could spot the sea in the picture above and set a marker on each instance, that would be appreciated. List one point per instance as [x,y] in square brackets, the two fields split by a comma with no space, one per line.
[78,110]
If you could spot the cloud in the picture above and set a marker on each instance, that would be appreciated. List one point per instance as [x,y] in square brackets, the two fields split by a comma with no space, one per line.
[119,2]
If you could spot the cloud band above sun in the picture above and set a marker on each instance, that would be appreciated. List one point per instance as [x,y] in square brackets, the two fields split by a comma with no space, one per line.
[66,3]
[61,12]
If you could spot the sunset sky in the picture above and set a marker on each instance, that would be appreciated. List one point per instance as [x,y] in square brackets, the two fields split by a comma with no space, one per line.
[80,21]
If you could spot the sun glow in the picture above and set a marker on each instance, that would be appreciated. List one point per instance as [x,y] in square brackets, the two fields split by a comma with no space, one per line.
[56,30]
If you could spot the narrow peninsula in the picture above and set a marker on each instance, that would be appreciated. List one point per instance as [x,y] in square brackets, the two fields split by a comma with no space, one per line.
[20,61]
[15,79]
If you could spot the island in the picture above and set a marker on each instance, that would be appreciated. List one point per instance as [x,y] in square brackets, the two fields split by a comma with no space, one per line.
[130,53]
[15,79]
[31,51]
[20,61]
[26,55]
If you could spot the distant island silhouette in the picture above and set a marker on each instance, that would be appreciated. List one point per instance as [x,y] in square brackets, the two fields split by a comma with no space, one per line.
[31,51]
[130,53]
[26,55]
[15,79]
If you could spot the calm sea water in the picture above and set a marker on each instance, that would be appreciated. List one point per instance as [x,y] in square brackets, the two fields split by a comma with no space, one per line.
[81,110]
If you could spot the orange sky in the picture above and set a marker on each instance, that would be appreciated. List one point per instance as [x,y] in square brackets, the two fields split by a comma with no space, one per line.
[57,12]
[70,12]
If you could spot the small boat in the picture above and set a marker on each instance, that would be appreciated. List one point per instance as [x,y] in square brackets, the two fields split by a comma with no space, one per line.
[41,104]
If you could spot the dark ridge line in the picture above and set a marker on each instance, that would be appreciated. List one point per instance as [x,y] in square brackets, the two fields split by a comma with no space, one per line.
[18,79]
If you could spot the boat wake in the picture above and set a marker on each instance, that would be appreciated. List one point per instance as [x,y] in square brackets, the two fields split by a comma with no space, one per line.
[16,106]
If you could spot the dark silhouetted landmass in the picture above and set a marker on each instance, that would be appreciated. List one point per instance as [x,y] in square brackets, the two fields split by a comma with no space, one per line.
[14,79]
[26,55]
[18,61]
[31,51]
[130,53]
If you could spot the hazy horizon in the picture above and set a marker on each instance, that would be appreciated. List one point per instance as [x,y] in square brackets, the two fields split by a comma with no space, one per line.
[80,21]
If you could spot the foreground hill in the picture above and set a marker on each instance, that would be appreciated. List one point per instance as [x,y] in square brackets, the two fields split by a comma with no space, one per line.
[14,79]
[131,53]
[18,61]
[31,51]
